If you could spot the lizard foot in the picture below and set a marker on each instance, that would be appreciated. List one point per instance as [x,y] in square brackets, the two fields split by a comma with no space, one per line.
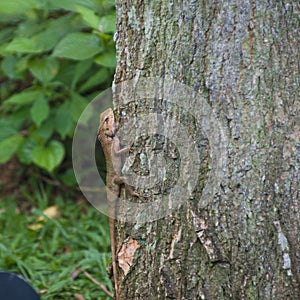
[122,180]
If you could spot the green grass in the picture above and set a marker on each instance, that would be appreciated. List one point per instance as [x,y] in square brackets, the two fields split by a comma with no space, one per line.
[47,258]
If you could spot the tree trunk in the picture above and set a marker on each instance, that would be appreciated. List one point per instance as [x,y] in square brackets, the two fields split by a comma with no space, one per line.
[227,74]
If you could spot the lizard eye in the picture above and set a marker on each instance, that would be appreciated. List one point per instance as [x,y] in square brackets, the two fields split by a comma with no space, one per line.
[106,119]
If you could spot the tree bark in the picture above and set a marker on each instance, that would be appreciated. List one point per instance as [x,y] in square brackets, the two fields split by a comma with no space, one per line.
[237,235]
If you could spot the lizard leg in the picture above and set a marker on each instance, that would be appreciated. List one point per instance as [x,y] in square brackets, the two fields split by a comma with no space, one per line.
[122,180]
[131,190]
[118,179]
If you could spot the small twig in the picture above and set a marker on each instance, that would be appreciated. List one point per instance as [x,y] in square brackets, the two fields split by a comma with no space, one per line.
[101,286]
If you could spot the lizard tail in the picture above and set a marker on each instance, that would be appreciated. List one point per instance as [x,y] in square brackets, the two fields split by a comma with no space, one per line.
[113,254]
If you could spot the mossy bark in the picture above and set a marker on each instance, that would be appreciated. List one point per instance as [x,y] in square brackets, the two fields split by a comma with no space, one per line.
[243,241]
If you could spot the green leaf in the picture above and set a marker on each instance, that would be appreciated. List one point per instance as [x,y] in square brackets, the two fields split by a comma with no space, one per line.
[66,72]
[107,59]
[9,146]
[22,63]
[8,66]
[6,129]
[6,34]
[18,6]
[81,68]
[25,151]
[63,121]
[49,157]
[19,116]
[23,98]
[107,24]
[3,51]
[109,2]
[56,29]
[78,46]
[48,38]
[88,16]
[24,45]
[28,28]
[78,105]
[101,76]
[44,132]
[40,110]
[68,178]
[44,69]
[71,5]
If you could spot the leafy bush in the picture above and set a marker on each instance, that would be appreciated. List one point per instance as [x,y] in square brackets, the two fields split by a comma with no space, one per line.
[55,56]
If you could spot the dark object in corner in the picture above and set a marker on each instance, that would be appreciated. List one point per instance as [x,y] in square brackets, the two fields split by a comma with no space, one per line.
[13,287]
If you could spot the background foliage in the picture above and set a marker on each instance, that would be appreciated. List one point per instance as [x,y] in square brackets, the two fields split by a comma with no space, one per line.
[56,56]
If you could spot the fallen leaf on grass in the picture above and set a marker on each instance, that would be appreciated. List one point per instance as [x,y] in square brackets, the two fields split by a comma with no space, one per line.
[52,212]
[35,227]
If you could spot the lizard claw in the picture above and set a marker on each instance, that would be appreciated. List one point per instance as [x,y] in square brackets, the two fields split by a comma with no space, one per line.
[135,194]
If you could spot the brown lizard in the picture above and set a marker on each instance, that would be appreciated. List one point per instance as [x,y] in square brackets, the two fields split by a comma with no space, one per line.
[111,148]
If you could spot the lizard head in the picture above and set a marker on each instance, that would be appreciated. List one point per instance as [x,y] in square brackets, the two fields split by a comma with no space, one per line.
[107,123]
